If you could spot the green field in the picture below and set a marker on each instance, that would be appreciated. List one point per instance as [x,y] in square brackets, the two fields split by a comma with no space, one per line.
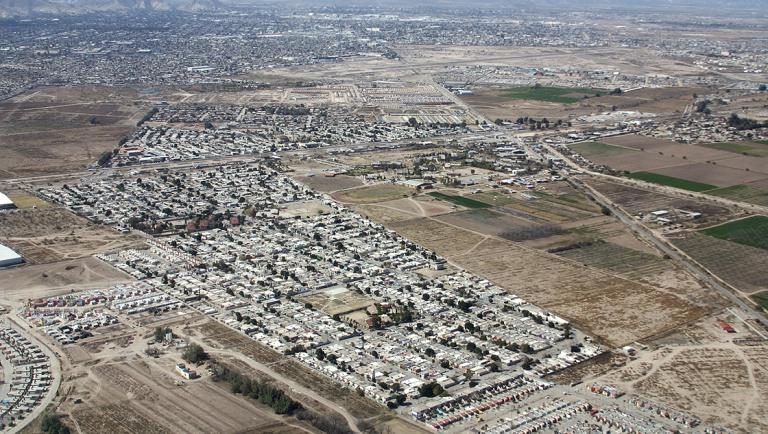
[459,200]
[551,94]
[761,298]
[597,149]
[751,231]
[672,181]
[739,148]
[492,198]
[743,193]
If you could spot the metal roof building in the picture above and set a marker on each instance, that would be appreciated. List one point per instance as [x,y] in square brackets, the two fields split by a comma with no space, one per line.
[6,202]
[8,257]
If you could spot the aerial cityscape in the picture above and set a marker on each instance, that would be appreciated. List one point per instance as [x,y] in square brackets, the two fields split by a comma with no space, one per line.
[367,217]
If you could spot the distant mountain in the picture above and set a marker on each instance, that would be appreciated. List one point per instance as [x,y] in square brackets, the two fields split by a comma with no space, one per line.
[17,8]
[20,8]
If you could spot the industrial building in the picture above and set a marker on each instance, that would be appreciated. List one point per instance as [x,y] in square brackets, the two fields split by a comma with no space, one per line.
[6,202]
[8,257]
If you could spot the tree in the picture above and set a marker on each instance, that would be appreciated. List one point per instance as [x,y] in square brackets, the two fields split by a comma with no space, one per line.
[194,354]
[320,354]
[52,424]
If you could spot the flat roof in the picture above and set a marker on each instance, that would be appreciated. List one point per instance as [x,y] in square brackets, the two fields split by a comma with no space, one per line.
[5,200]
[6,253]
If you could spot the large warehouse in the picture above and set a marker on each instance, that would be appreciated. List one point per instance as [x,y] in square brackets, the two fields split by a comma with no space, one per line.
[8,257]
[6,202]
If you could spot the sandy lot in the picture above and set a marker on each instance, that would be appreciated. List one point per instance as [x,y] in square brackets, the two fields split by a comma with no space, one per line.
[55,130]
[54,234]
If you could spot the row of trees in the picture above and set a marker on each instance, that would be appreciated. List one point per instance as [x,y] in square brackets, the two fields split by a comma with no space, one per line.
[265,393]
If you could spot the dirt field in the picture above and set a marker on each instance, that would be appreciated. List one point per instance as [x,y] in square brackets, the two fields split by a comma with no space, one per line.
[147,397]
[327,184]
[615,310]
[56,130]
[373,193]
[46,280]
[724,384]
[46,235]
[336,300]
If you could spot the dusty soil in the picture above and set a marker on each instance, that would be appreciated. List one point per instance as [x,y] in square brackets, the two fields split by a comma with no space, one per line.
[46,235]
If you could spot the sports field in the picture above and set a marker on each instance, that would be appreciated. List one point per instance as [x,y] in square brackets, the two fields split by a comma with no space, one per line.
[562,95]
[672,181]
[751,231]
[459,200]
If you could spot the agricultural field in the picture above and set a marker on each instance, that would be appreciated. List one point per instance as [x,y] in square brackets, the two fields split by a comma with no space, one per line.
[641,201]
[761,298]
[671,181]
[373,193]
[739,265]
[459,200]
[500,224]
[551,94]
[492,198]
[743,193]
[618,259]
[745,148]
[599,149]
[750,231]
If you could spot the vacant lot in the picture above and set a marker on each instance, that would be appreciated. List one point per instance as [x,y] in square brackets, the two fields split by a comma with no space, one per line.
[53,234]
[721,383]
[336,300]
[751,231]
[551,94]
[598,149]
[137,396]
[739,265]
[329,184]
[671,181]
[55,130]
[373,193]
[46,280]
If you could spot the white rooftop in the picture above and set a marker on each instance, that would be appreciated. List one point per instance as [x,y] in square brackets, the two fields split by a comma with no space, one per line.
[6,253]
[5,200]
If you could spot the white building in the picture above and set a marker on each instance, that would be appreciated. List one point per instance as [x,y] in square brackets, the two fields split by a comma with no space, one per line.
[6,202]
[8,257]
